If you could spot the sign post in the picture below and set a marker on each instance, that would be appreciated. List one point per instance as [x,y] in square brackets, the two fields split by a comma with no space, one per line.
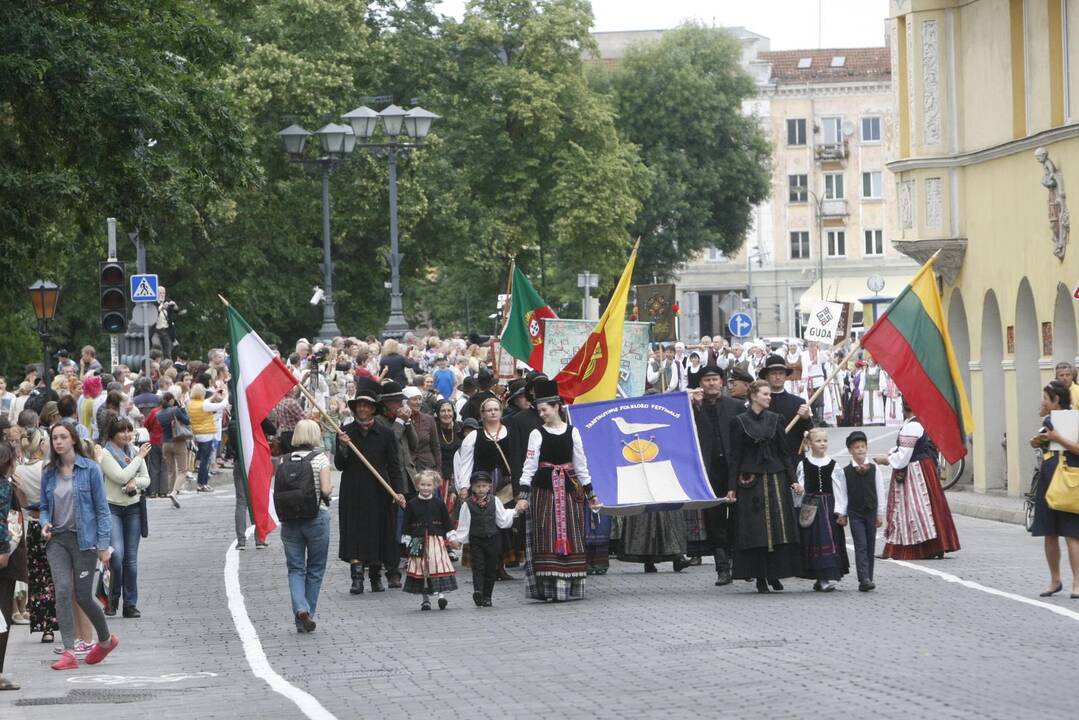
[740,325]
[144,292]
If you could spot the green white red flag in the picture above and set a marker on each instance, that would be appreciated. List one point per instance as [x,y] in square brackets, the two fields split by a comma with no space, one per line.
[523,334]
[262,379]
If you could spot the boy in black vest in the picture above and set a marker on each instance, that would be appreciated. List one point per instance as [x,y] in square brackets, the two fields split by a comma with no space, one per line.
[860,501]
[482,516]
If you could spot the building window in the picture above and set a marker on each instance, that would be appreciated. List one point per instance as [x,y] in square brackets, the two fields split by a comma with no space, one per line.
[837,243]
[805,63]
[832,127]
[800,245]
[833,186]
[799,188]
[871,129]
[796,131]
[871,189]
[839,61]
[874,242]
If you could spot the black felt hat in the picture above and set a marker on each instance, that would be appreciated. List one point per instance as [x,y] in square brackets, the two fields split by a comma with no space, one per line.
[367,390]
[710,370]
[546,391]
[773,362]
[738,372]
[516,388]
[390,391]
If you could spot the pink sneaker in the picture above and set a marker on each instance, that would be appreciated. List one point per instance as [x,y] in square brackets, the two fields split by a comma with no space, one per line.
[99,652]
[67,661]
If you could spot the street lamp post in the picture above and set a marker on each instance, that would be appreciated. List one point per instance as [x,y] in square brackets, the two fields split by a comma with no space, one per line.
[45,296]
[818,202]
[338,142]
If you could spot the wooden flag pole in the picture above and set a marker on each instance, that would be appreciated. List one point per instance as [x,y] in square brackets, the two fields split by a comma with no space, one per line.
[817,393]
[337,429]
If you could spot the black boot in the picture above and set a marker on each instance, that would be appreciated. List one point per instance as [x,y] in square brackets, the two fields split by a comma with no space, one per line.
[680,563]
[375,573]
[357,578]
[723,568]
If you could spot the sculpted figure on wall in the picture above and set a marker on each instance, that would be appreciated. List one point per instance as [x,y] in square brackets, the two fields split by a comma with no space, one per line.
[1059,222]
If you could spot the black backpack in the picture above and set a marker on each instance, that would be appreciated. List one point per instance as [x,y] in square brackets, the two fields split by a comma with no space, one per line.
[294,495]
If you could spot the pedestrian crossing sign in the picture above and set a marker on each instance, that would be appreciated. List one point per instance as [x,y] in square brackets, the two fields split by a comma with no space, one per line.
[143,288]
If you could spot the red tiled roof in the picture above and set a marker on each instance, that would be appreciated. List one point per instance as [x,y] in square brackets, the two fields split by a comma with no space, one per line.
[867,63]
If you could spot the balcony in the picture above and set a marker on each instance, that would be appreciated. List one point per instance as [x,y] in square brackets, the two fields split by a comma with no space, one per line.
[833,208]
[831,152]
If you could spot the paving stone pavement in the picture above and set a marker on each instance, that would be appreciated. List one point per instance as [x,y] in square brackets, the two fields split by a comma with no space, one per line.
[639,646]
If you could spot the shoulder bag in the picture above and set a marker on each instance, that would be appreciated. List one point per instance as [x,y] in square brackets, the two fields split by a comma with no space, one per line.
[808,513]
[1063,492]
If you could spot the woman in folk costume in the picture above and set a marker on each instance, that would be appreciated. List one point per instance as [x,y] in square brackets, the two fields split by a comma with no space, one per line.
[920,523]
[852,412]
[872,394]
[795,384]
[766,546]
[555,485]
[491,450]
[893,400]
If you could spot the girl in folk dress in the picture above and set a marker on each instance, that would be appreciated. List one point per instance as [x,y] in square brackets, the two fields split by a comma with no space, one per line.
[872,395]
[554,487]
[824,545]
[430,570]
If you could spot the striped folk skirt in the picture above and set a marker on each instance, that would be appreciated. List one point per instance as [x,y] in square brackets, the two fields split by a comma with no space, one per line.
[441,577]
[920,523]
[548,574]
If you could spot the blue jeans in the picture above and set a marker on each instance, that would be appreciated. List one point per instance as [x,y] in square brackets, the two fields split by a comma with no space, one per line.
[306,544]
[205,454]
[126,534]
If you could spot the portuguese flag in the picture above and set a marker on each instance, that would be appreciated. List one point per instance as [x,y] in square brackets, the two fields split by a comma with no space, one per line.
[261,380]
[523,334]
[910,341]
[592,374]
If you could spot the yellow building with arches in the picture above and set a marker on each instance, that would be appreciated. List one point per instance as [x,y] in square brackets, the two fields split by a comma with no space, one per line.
[987,101]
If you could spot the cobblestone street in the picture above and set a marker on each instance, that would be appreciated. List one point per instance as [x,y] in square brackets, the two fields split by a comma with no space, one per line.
[638,646]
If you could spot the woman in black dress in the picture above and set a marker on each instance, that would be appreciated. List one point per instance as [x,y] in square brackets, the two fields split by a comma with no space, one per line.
[1049,523]
[449,442]
[767,543]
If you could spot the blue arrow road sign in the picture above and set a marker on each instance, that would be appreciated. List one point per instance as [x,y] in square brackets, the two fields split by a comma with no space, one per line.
[143,288]
[740,325]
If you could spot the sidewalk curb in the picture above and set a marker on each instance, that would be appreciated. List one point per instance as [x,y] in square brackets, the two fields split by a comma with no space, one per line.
[987,507]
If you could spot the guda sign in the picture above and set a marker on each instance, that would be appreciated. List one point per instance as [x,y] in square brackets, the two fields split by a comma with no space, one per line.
[829,323]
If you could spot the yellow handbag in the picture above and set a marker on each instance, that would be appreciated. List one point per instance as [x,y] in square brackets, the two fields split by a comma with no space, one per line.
[1063,492]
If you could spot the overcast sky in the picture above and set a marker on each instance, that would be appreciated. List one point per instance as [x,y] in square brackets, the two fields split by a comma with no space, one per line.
[790,24]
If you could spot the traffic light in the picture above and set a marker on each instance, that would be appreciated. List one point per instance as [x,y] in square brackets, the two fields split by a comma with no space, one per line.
[113,292]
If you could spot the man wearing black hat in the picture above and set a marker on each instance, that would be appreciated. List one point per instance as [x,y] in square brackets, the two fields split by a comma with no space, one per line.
[397,418]
[368,518]
[484,381]
[713,412]
[738,384]
[787,405]
[516,399]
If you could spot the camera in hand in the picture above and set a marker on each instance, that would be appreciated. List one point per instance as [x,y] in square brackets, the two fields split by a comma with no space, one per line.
[321,354]
[131,491]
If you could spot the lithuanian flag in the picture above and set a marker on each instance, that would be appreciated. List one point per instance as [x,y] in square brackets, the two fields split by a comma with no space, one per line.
[592,374]
[910,341]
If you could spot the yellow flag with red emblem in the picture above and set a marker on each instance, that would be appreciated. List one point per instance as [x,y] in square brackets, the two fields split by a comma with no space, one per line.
[592,374]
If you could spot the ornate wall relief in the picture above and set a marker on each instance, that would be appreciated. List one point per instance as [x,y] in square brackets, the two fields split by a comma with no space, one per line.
[934,203]
[906,204]
[1059,221]
[930,83]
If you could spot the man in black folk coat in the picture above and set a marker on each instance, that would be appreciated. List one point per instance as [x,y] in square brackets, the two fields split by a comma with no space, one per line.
[713,412]
[787,405]
[368,517]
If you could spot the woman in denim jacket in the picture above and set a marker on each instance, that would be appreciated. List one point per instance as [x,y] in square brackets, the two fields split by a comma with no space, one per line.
[76,525]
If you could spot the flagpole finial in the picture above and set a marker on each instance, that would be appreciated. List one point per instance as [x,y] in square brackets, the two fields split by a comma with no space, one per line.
[223,300]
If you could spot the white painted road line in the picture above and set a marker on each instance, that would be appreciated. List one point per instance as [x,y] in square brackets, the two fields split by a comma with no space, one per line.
[256,657]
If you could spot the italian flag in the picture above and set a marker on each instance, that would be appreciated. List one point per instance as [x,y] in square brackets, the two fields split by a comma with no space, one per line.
[523,335]
[261,379]
[911,342]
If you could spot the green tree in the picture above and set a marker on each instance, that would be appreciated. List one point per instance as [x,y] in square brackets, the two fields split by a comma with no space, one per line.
[107,107]
[680,101]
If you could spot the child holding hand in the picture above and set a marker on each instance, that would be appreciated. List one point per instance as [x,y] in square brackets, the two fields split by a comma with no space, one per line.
[482,516]
[823,543]
[859,494]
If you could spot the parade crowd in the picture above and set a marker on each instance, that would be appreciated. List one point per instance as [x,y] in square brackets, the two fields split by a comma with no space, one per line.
[477,472]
